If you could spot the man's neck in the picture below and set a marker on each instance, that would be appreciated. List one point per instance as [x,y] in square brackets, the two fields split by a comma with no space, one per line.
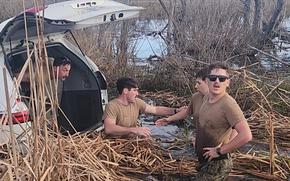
[123,100]
[215,97]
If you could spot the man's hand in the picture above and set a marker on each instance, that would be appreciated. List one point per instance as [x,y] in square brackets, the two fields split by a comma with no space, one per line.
[162,122]
[211,153]
[142,131]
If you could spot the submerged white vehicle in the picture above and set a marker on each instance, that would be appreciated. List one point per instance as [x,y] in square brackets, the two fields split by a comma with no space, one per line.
[85,90]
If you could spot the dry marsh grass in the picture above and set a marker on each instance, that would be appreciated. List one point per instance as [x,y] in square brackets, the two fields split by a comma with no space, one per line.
[52,156]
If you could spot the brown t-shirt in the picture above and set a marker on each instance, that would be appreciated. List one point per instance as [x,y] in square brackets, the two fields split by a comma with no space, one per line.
[215,123]
[125,115]
[195,103]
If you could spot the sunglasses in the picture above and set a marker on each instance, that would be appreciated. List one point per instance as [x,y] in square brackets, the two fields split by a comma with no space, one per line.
[221,78]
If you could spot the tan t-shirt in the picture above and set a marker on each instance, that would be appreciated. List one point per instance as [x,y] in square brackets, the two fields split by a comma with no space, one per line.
[195,103]
[215,123]
[125,115]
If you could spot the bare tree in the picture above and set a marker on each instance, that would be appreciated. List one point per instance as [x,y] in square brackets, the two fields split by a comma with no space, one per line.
[261,33]
[123,45]
[247,7]
[170,12]
[257,22]
[213,30]
[274,21]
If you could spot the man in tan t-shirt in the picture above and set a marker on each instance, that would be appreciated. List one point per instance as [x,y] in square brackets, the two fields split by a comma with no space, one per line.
[218,115]
[121,114]
[195,103]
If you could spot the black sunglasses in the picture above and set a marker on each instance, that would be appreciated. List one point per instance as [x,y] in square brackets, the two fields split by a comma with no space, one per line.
[221,78]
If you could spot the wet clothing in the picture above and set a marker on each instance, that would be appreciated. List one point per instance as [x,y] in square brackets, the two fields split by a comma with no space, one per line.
[214,126]
[215,123]
[125,115]
[195,104]
[215,170]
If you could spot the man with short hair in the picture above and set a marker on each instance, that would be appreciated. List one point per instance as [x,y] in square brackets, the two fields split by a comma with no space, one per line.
[195,103]
[54,87]
[121,114]
[218,115]
[61,69]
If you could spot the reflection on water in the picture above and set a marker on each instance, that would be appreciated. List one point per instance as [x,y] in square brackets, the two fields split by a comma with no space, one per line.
[147,46]
[147,42]
[286,24]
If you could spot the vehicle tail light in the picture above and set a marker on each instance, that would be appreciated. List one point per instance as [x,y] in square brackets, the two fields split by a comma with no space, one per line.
[20,117]
[35,9]
[20,113]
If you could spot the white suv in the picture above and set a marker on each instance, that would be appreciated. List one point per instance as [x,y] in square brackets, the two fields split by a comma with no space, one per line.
[85,90]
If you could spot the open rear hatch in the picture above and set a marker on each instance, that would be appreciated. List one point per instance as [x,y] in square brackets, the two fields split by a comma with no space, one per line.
[59,18]
[68,15]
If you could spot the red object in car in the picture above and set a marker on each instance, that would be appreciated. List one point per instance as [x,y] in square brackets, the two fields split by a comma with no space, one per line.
[35,9]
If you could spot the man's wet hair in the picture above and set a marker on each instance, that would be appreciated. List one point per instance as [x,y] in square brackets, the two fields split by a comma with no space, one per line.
[202,74]
[126,82]
[58,61]
[217,66]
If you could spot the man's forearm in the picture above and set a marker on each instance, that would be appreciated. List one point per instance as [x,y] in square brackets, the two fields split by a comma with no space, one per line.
[118,130]
[242,138]
[164,111]
[236,142]
[178,116]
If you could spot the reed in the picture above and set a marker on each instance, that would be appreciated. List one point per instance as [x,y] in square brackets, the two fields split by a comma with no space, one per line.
[263,95]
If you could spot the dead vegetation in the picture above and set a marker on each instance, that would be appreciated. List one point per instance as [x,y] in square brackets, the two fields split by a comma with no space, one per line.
[263,95]
[91,157]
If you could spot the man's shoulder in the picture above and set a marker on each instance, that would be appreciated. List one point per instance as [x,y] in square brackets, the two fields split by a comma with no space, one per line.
[113,102]
[229,99]
[140,103]
[229,103]
[197,95]
[138,100]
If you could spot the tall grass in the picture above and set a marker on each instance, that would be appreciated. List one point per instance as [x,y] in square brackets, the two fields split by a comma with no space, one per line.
[100,43]
[212,31]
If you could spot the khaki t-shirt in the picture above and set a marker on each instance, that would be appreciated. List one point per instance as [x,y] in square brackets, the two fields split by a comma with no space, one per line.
[195,103]
[215,123]
[125,115]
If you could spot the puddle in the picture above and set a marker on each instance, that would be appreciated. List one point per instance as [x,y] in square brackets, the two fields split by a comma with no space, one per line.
[174,137]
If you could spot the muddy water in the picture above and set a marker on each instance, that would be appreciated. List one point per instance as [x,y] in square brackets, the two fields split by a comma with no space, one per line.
[178,137]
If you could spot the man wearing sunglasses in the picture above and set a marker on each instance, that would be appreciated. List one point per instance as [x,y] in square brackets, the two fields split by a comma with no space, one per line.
[195,103]
[219,117]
